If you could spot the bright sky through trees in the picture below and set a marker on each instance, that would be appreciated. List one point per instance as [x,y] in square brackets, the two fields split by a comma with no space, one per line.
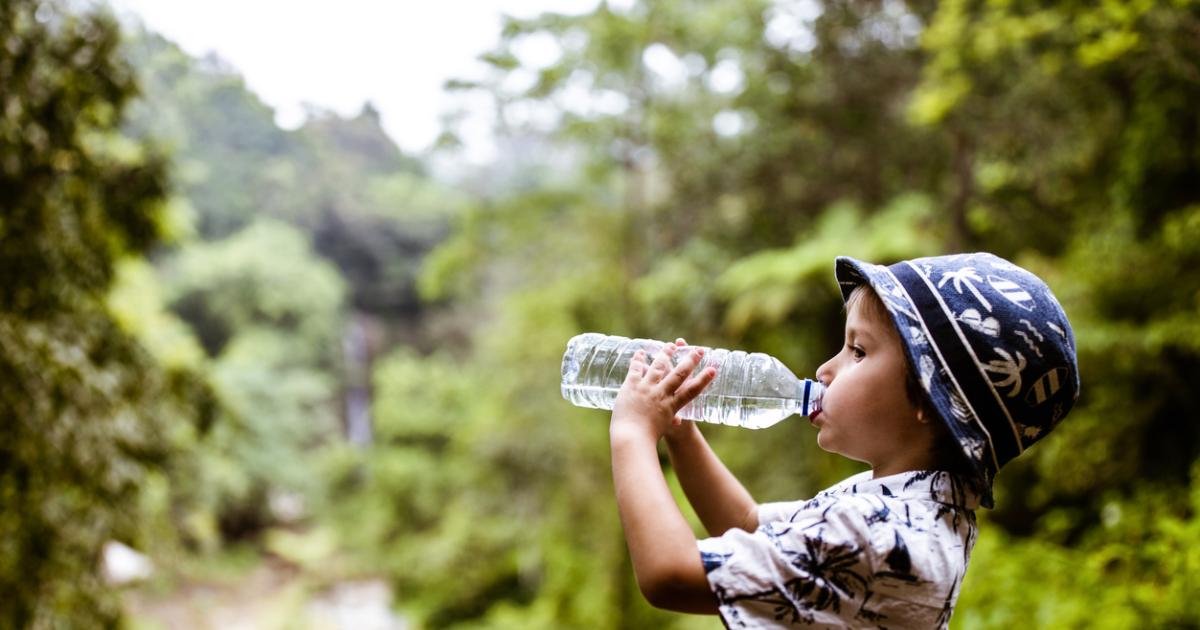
[338,55]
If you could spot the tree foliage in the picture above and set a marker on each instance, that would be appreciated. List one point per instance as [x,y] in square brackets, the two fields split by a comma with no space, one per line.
[82,404]
[269,314]
[365,206]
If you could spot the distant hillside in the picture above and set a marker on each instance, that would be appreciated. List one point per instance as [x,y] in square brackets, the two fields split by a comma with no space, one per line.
[366,206]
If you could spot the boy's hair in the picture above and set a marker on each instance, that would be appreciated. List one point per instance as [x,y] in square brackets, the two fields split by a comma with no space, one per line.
[946,450]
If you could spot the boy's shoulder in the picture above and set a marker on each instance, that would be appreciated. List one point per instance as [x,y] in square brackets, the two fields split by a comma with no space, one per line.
[908,495]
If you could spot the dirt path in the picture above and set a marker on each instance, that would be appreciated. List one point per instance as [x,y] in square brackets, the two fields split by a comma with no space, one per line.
[274,596]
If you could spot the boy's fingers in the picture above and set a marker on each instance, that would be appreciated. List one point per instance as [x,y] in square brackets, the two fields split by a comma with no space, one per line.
[686,365]
[662,363]
[637,365]
[692,388]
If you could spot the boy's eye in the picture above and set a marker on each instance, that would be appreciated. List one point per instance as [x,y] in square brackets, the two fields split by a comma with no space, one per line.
[857,352]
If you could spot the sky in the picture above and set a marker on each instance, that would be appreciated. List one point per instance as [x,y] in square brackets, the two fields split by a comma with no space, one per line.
[339,54]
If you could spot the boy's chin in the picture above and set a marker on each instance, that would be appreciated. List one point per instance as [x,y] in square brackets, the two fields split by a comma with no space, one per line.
[826,441]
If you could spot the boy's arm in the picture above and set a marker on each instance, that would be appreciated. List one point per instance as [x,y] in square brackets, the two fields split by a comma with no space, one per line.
[666,558]
[720,500]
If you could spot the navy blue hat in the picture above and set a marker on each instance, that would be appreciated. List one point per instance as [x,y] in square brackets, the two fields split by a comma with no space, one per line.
[991,346]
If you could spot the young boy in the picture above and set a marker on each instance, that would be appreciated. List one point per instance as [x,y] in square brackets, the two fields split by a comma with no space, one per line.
[952,366]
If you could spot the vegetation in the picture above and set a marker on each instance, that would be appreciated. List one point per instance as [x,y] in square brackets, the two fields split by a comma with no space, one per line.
[194,296]
[86,411]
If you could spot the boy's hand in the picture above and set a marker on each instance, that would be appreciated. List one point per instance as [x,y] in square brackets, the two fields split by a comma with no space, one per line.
[652,395]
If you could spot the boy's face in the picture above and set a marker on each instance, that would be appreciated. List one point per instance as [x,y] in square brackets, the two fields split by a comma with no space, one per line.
[866,414]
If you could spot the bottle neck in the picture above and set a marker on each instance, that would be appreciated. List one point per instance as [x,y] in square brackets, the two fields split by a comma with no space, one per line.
[810,396]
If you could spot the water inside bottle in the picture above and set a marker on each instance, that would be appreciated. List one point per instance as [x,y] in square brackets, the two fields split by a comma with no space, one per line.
[751,412]
[595,366]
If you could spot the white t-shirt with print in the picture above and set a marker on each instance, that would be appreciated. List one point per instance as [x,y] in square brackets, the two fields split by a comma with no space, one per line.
[865,553]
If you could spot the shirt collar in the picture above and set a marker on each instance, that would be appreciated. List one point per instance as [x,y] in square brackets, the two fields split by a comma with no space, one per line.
[924,485]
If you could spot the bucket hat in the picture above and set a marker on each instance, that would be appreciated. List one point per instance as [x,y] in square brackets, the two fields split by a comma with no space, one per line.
[991,346]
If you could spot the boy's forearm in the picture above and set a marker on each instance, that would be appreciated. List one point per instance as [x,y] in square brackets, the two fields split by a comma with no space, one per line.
[662,546]
[719,499]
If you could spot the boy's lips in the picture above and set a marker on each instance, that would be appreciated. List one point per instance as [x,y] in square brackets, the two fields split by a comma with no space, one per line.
[812,418]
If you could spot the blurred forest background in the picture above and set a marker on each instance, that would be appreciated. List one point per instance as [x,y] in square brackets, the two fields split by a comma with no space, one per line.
[226,344]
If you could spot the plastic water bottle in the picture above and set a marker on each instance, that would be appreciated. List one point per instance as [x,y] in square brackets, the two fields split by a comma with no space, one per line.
[751,390]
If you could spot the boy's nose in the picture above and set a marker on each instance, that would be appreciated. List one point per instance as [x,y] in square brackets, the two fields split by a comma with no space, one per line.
[825,373]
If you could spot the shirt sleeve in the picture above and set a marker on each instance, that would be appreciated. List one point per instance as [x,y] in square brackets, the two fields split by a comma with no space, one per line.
[802,566]
[772,512]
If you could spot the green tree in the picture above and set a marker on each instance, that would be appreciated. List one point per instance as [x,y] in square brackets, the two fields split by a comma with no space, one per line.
[268,312]
[86,410]
[271,207]
[363,203]
[230,159]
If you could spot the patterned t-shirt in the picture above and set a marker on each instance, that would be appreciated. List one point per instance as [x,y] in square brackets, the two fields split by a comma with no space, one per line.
[865,553]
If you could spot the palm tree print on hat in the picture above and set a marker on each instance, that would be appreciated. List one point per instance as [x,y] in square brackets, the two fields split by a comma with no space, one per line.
[1009,368]
[967,277]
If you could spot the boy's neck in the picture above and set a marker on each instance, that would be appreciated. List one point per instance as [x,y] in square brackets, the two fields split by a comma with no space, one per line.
[903,462]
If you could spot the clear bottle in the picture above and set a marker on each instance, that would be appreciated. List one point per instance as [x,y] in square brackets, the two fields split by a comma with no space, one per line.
[751,390]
